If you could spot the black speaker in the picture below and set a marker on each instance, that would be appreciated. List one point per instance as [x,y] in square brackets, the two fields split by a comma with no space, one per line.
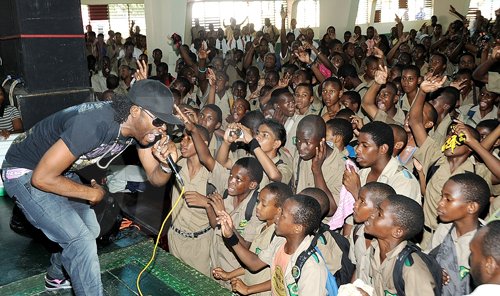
[36,106]
[41,41]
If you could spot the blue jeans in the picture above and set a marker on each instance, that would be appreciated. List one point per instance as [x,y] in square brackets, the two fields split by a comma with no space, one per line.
[70,223]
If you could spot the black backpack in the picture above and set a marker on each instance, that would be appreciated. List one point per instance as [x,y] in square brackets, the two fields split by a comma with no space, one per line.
[344,274]
[405,255]
[250,205]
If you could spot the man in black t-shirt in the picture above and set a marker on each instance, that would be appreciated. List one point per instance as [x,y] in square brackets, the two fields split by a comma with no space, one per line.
[38,173]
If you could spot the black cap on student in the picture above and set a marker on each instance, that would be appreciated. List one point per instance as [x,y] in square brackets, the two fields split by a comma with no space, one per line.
[155,97]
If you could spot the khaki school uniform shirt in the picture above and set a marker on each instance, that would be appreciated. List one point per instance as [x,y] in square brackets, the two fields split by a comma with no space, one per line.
[405,103]
[398,177]
[476,118]
[332,169]
[313,274]
[261,242]
[291,132]
[185,218]
[284,164]
[331,252]
[430,153]
[417,277]
[399,117]
[220,255]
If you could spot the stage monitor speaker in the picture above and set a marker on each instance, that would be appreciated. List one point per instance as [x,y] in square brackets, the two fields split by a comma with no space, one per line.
[36,106]
[42,42]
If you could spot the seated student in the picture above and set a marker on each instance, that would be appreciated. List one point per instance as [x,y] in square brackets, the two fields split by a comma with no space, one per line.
[315,163]
[351,80]
[381,100]
[330,94]
[284,112]
[485,109]
[352,100]
[444,101]
[437,66]
[253,91]
[190,234]
[440,162]
[303,99]
[238,110]
[463,198]
[410,78]
[239,191]
[300,217]
[265,145]
[371,66]
[331,250]
[469,93]
[339,134]
[396,221]
[269,207]
[220,94]
[485,260]
[374,155]
[370,197]
[400,141]
[210,117]
[489,132]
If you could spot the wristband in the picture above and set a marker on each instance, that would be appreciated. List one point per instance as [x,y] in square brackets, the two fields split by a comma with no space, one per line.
[165,169]
[202,70]
[232,240]
[254,144]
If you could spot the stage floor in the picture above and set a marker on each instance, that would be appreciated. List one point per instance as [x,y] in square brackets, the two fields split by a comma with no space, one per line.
[23,262]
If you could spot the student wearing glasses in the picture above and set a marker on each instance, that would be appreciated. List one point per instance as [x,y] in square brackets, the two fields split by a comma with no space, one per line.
[38,172]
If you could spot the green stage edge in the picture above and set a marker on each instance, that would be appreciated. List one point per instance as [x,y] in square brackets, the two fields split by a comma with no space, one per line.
[167,275]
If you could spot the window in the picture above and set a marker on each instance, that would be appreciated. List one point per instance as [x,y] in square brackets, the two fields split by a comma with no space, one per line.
[118,19]
[385,10]
[220,12]
[308,14]
[486,7]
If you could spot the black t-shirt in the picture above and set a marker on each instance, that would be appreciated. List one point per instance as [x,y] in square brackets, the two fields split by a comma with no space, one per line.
[89,131]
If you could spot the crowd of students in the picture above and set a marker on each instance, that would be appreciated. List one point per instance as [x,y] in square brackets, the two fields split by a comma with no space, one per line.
[395,137]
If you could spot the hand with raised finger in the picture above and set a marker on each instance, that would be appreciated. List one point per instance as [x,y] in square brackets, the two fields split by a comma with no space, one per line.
[351,182]
[319,158]
[381,75]
[142,70]
[226,223]
[432,83]
[188,124]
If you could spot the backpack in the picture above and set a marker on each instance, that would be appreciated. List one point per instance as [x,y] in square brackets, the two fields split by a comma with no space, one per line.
[331,282]
[404,257]
[344,274]
[250,205]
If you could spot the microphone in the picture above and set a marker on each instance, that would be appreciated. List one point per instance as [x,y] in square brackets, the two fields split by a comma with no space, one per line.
[173,166]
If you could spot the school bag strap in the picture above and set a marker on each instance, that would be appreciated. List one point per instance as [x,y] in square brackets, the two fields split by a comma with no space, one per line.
[250,205]
[405,258]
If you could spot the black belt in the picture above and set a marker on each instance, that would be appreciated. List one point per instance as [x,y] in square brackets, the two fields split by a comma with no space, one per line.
[191,234]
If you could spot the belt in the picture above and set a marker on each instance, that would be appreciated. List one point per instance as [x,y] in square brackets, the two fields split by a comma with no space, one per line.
[13,173]
[191,234]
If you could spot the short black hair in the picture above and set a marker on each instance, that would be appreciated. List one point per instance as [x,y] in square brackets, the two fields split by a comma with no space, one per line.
[217,111]
[380,191]
[473,188]
[490,245]
[341,127]
[306,85]
[239,82]
[345,113]
[443,58]
[413,68]
[112,81]
[253,167]
[463,71]
[184,82]
[334,80]
[381,134]
[433,115]
[314,123]
[246,103]
[320,196]
[278,130]
[121,105]
[490,124]
[281,192]
[277,94]
[307,213]
[353,96]
[408,215]
[400,134]
[252,120]
[347,70]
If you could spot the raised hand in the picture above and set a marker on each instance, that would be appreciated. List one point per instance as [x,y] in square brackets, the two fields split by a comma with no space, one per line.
[203,51]
[381,75]
[432,83]
[188,123]
[303,56]
[285,80]
[352,183]
[319,158]
[226,223]
[378,52]
[142,70]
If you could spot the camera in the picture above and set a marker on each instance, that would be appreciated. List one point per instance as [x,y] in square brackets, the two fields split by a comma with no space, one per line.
[237,132]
